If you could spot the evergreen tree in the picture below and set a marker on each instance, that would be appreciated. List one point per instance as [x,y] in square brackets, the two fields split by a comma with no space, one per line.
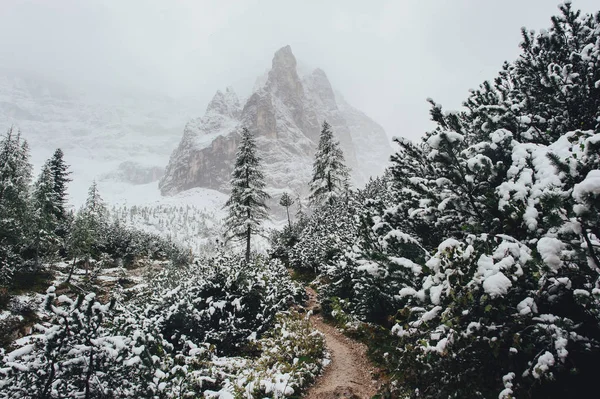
[46,207]
[300,211]
[15,178]
[286,201]
[330,174]
[60,175]
[246,204]
[89,227]
[95,208]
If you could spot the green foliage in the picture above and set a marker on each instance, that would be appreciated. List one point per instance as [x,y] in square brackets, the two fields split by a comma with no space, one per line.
[286,201]
[233,301]
[60,177]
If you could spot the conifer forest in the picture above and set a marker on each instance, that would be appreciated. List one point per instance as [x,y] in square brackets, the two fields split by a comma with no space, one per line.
[289,253]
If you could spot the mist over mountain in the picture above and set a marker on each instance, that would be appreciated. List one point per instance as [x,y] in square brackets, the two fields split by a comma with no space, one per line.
[125,137]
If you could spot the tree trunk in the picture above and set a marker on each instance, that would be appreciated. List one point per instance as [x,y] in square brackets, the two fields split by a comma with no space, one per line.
[248,246]
[37,252]
[287,209]
[72,270]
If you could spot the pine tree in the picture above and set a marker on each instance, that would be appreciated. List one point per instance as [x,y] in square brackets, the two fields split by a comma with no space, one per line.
[90,224]
[96,208]
[300,206]
[286,201]
[46,207]
[60,175]
[246,204]
[15,178]
[330,174]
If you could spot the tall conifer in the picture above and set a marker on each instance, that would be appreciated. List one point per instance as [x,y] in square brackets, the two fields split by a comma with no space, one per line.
[246,204]
[330,174]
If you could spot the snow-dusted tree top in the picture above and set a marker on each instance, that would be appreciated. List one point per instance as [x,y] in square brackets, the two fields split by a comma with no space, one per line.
[285,112]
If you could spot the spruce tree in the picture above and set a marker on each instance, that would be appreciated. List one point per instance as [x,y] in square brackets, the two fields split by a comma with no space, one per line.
[330,174]
[46,206]
[300,210]
[246,204]
[89,226]
[60,175]
[15,178]
[286,201]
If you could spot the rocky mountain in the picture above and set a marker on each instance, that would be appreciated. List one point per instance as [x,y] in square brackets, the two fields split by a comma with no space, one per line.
[285,112]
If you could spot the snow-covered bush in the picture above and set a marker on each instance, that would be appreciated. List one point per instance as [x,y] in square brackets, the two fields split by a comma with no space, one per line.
[505,199]
[83,349]
[317,240]
[490,308]
[220,301]
[292,356]
[323,236]
[131,245]
[169,339]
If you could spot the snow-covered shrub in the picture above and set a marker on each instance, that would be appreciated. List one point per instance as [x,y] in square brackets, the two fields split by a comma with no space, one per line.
[505,197]
[323,236]
[489,308]
[292,356]
[82,349]
[221,301]
[164,341]
[130,245]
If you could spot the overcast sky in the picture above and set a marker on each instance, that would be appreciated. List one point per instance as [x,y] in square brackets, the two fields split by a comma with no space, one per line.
[385,57]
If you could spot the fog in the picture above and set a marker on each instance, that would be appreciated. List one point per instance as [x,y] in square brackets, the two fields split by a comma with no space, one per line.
[385,57]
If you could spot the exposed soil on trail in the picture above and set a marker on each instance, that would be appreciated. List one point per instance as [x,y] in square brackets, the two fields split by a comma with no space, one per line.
[349,373]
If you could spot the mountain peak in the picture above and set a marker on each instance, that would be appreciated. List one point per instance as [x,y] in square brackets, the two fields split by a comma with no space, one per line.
[284,59]
[225,104]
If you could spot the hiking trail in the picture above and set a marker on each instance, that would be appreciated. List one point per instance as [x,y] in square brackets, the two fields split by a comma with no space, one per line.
[349,373]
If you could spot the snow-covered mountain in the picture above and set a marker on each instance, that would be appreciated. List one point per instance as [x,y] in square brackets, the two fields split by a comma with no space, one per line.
[105,136]
[285,111]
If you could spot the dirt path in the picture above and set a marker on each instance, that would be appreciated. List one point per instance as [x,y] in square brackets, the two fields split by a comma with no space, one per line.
[349,374]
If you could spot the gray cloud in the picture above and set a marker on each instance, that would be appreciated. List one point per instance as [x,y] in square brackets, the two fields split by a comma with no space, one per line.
[386,57]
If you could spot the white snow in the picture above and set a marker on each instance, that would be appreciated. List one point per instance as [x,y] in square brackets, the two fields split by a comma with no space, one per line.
[544,363]
[451,137]
[22,351]
[407,263]
[550,249]
[449,243]
[589,186]
[527,306]
[496,284]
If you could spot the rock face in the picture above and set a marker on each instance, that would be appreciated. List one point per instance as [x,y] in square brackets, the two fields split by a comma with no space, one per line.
[285,112]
